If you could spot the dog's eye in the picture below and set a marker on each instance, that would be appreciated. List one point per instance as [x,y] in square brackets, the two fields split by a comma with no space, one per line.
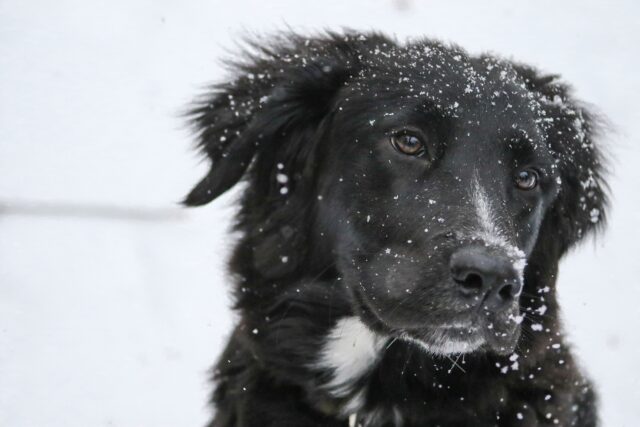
[408,143]
[527,179]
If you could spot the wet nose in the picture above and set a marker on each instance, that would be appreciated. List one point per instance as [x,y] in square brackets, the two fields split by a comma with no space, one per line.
[486,277]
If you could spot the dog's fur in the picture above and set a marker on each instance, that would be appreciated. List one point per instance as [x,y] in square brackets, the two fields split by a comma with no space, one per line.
[348,314]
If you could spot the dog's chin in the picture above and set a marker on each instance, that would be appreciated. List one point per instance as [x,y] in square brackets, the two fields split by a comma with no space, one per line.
[446,340]
[462,339]
[494,334]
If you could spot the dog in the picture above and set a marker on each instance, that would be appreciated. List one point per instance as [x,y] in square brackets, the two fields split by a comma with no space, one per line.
[405,211]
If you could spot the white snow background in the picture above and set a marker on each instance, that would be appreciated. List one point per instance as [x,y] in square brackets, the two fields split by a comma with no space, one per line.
[114,320]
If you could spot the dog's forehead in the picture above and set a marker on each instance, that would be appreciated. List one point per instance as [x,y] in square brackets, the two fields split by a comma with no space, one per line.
[485,95]
[449,78]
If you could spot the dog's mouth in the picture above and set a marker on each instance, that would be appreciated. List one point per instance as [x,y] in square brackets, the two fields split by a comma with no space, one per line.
[446,340]
[459,338]
[482,332]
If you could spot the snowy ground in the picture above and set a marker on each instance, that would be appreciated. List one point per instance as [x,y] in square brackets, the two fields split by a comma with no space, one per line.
[113,321]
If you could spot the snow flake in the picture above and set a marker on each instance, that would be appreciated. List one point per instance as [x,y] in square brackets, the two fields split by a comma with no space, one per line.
[517,319]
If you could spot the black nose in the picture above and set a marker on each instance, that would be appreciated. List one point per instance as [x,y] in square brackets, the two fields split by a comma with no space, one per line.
[489,278]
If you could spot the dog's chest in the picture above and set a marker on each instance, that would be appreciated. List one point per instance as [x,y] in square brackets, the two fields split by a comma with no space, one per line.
[358,368]
[350,353]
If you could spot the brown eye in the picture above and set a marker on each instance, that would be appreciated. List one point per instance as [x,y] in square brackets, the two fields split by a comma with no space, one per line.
[527,179]
[408,144]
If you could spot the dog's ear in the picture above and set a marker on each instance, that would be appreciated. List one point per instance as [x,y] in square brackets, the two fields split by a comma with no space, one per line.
[281,93]
[572,133]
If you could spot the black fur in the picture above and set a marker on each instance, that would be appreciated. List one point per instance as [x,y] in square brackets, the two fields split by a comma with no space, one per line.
[359,229]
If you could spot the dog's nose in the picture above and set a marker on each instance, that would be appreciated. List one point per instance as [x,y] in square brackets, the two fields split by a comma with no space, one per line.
[489,278]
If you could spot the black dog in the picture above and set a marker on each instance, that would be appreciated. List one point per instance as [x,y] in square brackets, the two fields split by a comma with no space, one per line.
[405,211]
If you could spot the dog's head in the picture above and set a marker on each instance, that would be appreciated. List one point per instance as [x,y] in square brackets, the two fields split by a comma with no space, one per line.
[428,178]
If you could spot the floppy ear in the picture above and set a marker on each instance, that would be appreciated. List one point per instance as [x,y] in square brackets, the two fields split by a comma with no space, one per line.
[572,133]
[281,93]
[265,125]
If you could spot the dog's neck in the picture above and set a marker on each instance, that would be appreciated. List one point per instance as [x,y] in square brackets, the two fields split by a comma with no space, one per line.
[347,368]
[355,360]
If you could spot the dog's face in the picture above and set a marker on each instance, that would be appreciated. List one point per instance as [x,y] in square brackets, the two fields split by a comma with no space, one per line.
[427,177]
[436,193]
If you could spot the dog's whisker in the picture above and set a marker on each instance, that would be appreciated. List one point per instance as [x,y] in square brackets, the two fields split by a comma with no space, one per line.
[391,342]
[455,364]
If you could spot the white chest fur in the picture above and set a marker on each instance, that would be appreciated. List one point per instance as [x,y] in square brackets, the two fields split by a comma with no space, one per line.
[350,352]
